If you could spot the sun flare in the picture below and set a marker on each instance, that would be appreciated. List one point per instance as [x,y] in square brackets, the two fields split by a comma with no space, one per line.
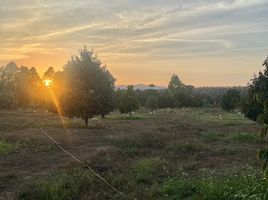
[47,82]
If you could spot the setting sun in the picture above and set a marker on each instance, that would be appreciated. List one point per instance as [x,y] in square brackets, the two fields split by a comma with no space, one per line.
[47,82]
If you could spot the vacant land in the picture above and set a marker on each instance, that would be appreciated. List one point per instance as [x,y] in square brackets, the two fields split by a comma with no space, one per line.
[175,154]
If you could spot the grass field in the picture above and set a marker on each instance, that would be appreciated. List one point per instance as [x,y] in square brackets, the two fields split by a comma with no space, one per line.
[199,154]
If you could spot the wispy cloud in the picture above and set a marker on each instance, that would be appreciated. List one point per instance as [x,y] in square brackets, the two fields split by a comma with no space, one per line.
[135,33]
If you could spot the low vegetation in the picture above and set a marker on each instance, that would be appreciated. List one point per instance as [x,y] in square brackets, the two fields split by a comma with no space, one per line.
[173,154]
[6,147]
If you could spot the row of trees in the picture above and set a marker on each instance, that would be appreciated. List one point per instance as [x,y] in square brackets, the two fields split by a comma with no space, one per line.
[85,88]
[19,87]
[177,95]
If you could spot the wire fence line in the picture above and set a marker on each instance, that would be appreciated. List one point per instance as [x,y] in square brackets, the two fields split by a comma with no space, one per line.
[85,164]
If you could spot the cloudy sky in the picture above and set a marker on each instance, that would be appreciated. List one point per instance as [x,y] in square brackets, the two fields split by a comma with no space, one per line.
[205,42]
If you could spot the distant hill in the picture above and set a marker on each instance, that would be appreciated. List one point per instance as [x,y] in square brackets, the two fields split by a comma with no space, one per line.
[142,87]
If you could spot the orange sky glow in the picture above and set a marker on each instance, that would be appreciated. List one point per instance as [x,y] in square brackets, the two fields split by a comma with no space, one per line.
[207,43]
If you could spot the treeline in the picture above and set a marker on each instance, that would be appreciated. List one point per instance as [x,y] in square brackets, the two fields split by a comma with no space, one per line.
[178,95]
[19,87]
[85,88]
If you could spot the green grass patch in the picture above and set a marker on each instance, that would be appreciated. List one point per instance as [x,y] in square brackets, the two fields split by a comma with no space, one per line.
[125,117]
[232,186]
[211,137]
[35,145]
[213,115]
[186,147]
[145,169]
[244,137]
[146,140]
[6,147]
[60,186]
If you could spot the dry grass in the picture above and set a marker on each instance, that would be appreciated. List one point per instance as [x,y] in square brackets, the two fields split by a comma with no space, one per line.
[139,155]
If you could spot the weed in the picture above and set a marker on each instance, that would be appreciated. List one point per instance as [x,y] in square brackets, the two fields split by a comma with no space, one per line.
[6,147]
[145,169]
[244,137]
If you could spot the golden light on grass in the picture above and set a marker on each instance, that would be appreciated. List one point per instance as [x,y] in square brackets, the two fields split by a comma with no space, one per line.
[47,82]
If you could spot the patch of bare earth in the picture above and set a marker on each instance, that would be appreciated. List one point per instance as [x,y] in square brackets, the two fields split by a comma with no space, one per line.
[33,161]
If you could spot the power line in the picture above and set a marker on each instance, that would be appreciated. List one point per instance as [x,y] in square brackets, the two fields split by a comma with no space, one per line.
[79,161]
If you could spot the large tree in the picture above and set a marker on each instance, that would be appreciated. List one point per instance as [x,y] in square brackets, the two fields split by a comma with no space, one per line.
[89,87]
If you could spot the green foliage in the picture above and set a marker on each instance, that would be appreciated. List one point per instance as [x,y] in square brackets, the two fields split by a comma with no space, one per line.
[244,137]
[60,186]
[230,100]
[175,85]
[254,102]
[151,103]
[145,169]
[128,101]
[186,147]
[211,136]
[89,87]
[261,98]
[18,87]
[6,147]
[183,95]
[164,100]
[234,186]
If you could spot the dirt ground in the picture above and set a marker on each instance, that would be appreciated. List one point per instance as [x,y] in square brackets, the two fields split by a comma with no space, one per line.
[35,155]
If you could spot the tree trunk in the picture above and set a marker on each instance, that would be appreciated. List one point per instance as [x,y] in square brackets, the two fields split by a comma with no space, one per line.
[130,114]
[86,121]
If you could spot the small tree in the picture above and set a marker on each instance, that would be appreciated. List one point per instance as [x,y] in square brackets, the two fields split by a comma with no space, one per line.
[105,93]
[128,101]
[89,87]
[151,104]
[230,100]
[179,91]
[175,84]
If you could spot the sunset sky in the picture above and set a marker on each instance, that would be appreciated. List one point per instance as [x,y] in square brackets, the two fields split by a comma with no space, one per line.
[207,43]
